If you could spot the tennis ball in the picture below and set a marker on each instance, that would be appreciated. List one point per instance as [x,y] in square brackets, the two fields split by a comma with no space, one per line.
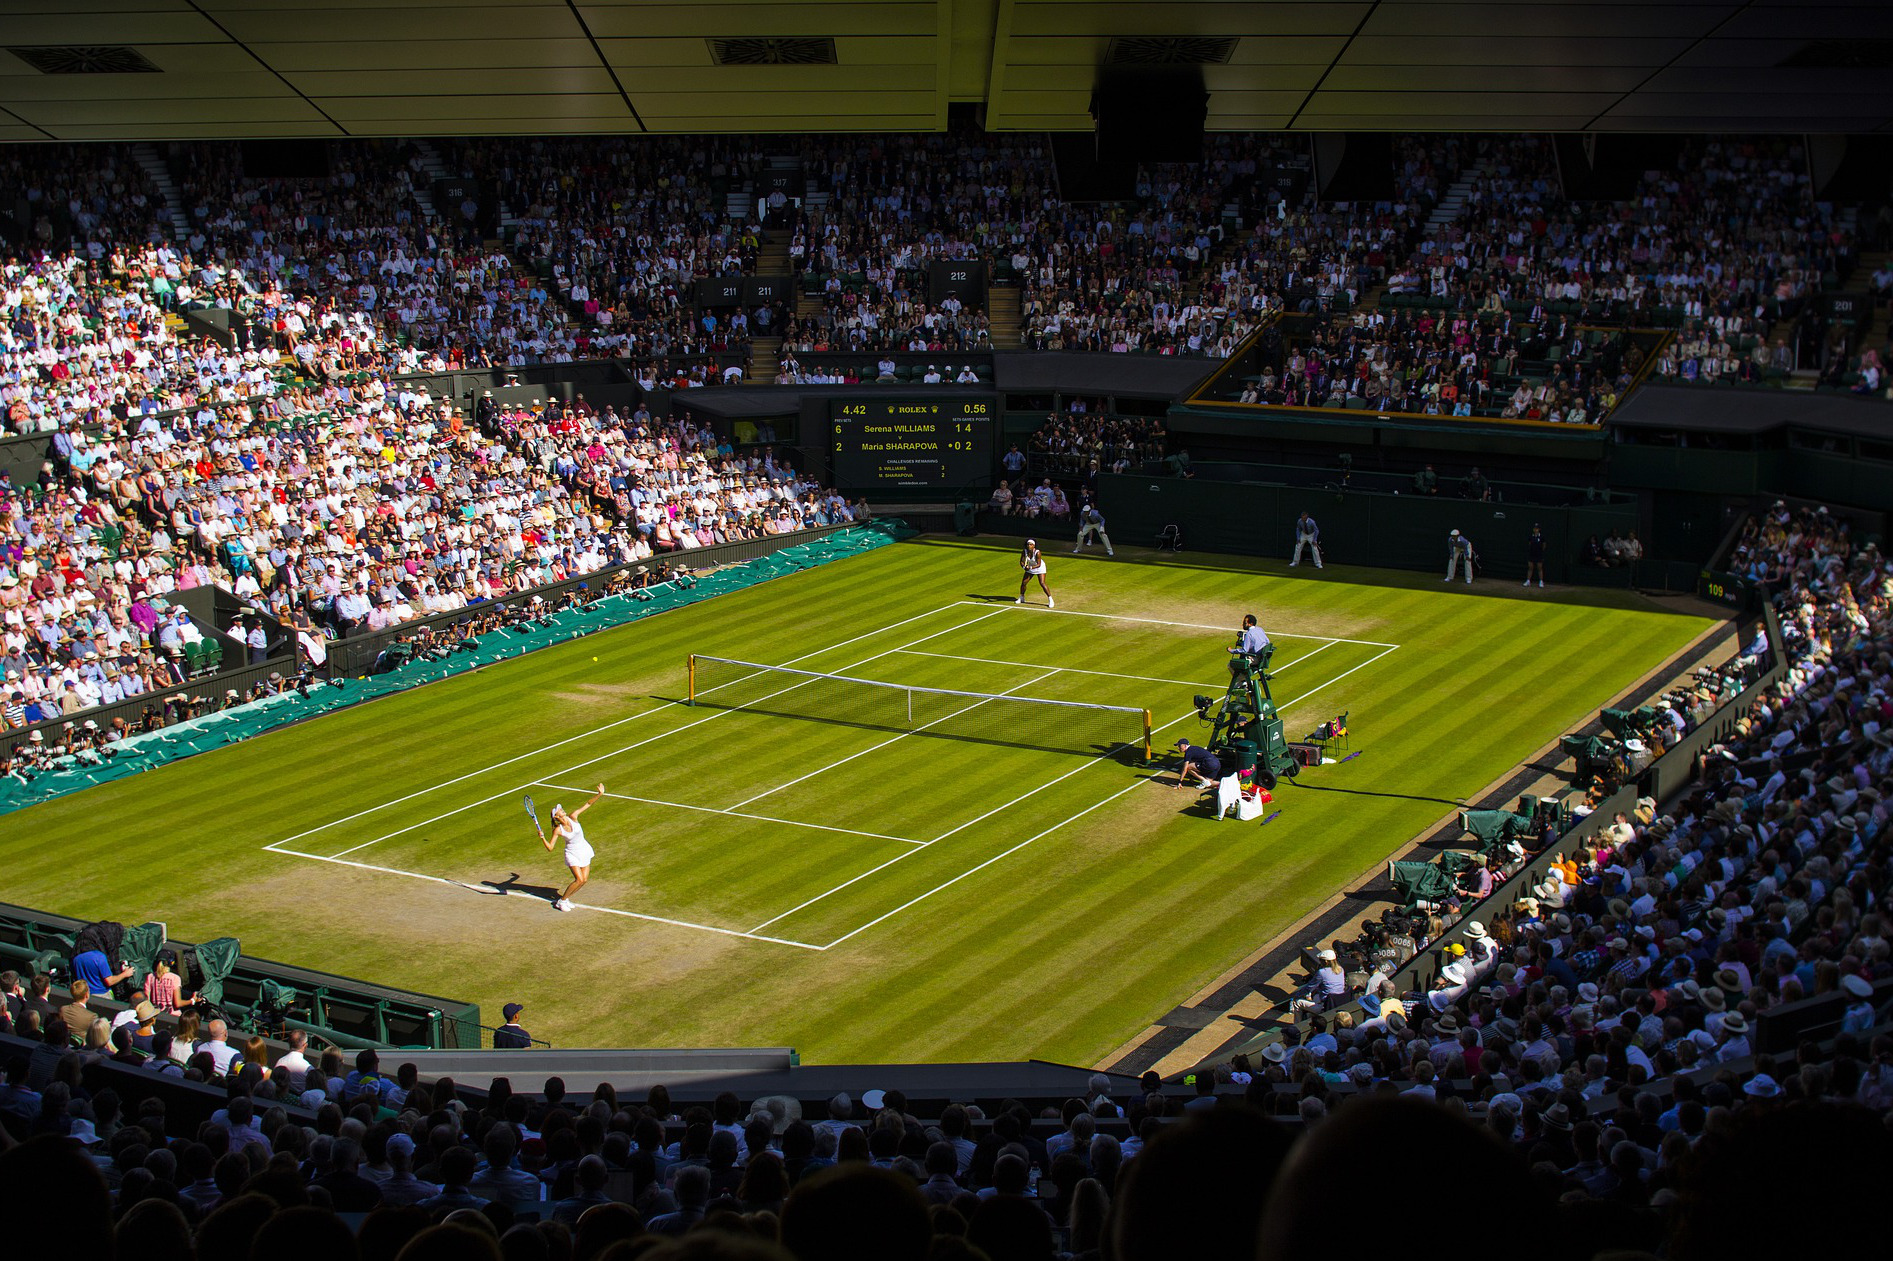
[594,658]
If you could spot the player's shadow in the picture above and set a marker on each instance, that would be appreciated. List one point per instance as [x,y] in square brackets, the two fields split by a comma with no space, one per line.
[511,885]
[1002,598]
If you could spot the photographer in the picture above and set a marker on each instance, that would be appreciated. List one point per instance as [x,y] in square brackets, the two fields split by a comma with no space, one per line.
[165,988]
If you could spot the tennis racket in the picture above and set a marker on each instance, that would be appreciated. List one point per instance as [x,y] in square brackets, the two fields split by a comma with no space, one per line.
[533,814]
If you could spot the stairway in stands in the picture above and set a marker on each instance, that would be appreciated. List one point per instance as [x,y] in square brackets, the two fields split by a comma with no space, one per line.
[1874,336]
[433,167]
[1002,314]
[765,352]
[153,164]
[1452,203]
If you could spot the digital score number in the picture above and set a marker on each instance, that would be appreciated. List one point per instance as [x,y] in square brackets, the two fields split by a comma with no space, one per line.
[912,444]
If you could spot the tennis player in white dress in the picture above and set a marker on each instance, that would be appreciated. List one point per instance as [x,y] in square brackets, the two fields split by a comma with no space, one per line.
[1032,565]
[578,850]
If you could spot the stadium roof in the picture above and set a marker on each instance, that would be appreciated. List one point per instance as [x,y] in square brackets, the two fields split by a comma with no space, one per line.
[155,69]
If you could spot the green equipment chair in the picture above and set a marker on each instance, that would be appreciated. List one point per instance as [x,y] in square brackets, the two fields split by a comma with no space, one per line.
[1416,882]
[1495,827]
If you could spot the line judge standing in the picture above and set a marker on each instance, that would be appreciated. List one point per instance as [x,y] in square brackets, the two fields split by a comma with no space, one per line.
[1459,552]
[1308,535]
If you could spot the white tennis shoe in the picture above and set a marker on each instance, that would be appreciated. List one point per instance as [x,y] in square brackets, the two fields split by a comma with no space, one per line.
[561,905]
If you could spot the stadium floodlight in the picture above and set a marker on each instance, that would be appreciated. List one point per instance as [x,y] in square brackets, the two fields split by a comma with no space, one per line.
[1017,721]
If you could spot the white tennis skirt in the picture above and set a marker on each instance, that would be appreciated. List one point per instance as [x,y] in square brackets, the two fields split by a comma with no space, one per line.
[578,855]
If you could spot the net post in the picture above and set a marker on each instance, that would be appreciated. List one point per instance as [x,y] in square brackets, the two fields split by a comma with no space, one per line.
[693,680]
[1148,754]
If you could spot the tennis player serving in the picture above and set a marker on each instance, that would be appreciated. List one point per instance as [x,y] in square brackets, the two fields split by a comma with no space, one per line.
[1032,563]
[578,851]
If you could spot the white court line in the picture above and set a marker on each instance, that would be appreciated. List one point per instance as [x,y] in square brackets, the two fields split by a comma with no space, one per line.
[1082,766]
[664,735]
[1157,621]
[1087,810]
[1035,665]
[1049,672]
[657,709]
[989,862]
[1313,652]
[581,906]
[679,805]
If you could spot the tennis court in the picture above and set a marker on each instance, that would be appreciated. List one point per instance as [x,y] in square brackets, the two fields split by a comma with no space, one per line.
[787,807]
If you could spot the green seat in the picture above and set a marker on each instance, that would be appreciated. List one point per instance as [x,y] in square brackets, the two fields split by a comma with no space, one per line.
[213,655]
[195,656]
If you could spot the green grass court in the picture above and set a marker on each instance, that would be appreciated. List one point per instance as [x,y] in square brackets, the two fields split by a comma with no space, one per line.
[790,862]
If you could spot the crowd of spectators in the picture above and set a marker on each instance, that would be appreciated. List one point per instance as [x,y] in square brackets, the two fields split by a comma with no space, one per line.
[1741,356]
[1441,364]
[332,1152]
[1731,234]
[1139,278]
[1608,1021]
[624,229]
[1085,437]
[1056,474]
[662,487]
[889,207]
[347,274]
[1728,245]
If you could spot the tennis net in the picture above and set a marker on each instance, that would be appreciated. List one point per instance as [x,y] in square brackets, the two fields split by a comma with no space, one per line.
[991,717]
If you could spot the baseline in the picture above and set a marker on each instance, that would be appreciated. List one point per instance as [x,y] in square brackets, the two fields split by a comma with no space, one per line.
[578,906]
[1157,621]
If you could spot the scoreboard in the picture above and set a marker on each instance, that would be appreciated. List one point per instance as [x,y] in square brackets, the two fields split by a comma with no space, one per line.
[912,443]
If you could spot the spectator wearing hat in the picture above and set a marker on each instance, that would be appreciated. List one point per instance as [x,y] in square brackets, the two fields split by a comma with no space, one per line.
[401,1187]
[1330,986]
[840,1115]
[1732,1039]
[1859,1015]
[1454,979]
[144,1027]
[510,1036]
